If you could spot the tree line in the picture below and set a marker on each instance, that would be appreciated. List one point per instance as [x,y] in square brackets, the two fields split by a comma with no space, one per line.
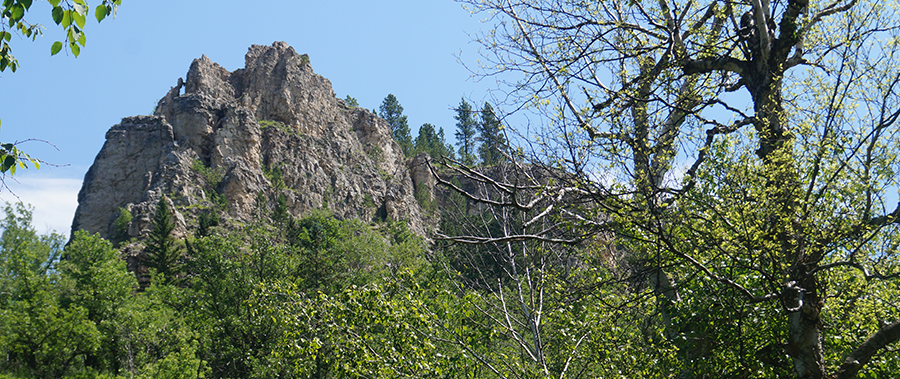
[479,133]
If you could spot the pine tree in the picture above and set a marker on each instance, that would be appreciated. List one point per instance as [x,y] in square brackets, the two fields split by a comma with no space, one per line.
[162,253]
[351,101]
[432,142]
[447,147]
[491,136]
[465,132]
[392,112]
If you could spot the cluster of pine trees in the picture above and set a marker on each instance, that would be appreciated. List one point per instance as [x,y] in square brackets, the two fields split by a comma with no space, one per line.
[479,134]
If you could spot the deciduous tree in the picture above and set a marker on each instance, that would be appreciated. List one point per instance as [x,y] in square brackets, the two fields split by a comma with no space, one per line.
[742,154]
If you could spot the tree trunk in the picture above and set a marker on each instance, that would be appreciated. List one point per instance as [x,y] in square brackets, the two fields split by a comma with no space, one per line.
[801,294]
[805,335]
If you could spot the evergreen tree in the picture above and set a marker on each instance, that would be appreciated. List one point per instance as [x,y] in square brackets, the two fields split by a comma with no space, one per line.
[351,101]
[465,132]
[491,136]
[162,252]
[392,112]
[432,142]
[447,147]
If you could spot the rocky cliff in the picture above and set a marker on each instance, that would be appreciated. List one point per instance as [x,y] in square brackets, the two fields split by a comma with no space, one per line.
[270,133]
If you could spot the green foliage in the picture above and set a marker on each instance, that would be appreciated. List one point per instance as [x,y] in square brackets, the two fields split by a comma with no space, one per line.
[120,226]
[70,16]
[275,177]
[376,154]
[213,179]
[150,337]
[205,221]
[392,112]
[212,176]
[12,158]
[163,254]
[765,225]
[423,197]
[465,132]
[38,335]
[263,124]
[317,255]
[369,201]
[351,102]
[79,316]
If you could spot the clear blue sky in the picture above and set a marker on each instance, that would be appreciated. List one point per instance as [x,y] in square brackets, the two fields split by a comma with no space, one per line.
[366,48]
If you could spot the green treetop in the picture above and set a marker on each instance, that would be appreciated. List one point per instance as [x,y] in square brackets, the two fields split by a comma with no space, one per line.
[465,132]
[392,112]
[432,142]
[490,134]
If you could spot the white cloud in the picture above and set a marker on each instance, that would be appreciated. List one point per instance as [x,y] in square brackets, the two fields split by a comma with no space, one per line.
[54,200]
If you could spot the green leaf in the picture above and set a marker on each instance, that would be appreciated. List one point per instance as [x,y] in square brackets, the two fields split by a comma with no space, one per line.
[57,14]
[3,63]
[75,49]
[54,3]
[55,49]
[100,12]
[79,18]
[17,12]
[67,19]
[26,3]
[81,39]
[8,162]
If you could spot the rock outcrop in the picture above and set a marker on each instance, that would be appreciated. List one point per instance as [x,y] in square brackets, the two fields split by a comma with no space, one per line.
[234,142]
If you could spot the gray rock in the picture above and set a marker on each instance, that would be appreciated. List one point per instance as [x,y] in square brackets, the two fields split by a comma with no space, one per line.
[273,128]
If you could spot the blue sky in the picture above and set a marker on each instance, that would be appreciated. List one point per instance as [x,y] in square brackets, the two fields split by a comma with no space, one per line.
[414,49]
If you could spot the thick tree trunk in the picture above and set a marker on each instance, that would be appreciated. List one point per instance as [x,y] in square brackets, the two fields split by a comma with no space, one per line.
[805,333]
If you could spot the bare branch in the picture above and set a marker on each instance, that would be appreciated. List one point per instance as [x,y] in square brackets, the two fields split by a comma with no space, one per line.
[761,14]
[475,240]
[708,65]
[830,10]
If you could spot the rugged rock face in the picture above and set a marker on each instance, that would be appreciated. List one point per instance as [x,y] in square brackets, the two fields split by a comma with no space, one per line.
[234,142]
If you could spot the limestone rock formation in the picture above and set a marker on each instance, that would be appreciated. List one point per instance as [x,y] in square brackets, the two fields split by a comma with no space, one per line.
[235,142]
